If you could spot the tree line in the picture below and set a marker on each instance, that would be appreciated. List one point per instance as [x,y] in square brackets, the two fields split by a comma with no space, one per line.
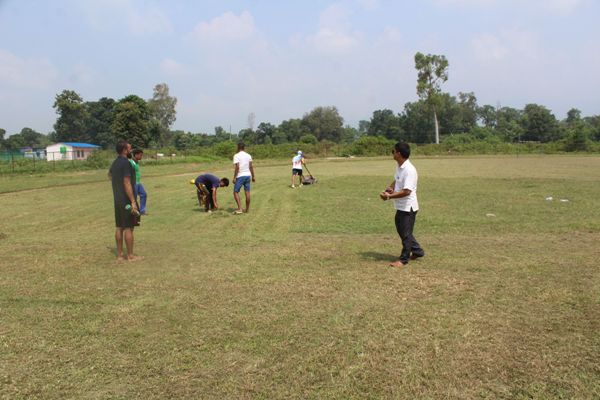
[437,117]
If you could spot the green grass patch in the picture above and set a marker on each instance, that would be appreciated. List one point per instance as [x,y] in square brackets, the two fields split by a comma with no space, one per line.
[295,299]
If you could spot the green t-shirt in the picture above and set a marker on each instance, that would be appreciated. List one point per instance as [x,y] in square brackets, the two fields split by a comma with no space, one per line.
[136,167]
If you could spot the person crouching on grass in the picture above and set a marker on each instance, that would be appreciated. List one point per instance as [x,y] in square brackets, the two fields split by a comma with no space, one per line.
[403,190]
[207,185]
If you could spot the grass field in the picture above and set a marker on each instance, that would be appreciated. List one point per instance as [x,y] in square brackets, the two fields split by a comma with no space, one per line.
[295,299]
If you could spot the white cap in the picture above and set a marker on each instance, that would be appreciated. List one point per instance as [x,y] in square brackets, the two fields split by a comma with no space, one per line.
[299,152]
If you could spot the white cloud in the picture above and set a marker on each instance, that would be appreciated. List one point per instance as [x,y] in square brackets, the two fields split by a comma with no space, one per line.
[508,44]
[148,20]
[226,27]
[391,34]
[369,4]
[536,6]
[171,67]
[107,14]
[334,35]
[488,47]
[81,74]
[330,41]
[25,73]
[562,6]
[465,3]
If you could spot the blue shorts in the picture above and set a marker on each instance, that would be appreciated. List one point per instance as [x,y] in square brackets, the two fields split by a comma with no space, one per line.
[242,181]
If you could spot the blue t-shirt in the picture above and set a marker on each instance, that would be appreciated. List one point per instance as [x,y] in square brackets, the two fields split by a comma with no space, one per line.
[208,180]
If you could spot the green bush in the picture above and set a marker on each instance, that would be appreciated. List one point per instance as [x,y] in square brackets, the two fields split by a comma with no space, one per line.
[372,146]
[309,139]
[98,160]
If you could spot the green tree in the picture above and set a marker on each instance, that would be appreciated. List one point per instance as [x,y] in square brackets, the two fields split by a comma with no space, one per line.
[385,123]
[573,116]
[349,134]
[264,133]
[15,142]
[247,136]
[416,123]
[432,71]
[162,110]
[2,133]
[27,138]
[101,115]
[72,116]
[363,127]
[33,139]
[131,121]
[293,129]
[488,116]
[539,124]
[183,140]
[325,123]
[594,124]
[577,136]
[467,112]
[509,127]
[309,138]
[221,135]
[278,137]
[449,114]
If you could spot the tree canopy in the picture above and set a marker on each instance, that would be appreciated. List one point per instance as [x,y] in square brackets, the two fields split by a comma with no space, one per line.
[71,122]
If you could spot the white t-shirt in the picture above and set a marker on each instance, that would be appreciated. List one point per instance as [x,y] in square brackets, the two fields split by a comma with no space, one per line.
[406,178]
[297,162]
[243,159]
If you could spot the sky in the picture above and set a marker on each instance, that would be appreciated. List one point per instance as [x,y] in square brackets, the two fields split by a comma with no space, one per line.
[277,59]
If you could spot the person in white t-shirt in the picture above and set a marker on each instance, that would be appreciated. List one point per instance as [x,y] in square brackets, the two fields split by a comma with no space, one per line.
[297,163]
[404,192]
[243,173]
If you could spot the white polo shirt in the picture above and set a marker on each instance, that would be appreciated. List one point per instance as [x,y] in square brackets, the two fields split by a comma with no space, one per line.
[406,178]
[243,159]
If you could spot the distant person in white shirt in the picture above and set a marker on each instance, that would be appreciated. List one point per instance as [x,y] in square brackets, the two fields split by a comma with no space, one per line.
[297,163]
[404,192]
[241,177]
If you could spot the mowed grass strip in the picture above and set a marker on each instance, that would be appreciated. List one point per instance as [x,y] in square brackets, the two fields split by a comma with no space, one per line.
[295,299]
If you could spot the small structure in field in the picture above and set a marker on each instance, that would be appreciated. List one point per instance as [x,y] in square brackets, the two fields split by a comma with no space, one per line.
[69,151]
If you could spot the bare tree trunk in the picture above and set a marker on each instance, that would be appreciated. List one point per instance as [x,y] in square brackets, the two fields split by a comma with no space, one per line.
[437,127]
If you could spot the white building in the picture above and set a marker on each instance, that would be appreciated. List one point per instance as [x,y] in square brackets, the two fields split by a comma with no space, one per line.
[69,151]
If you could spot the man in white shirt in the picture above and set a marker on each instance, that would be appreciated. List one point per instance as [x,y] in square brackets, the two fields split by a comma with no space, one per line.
[297,163]
[243,173]
[404,192]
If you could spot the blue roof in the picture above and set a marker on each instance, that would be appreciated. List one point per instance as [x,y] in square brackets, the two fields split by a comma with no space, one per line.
[76,144]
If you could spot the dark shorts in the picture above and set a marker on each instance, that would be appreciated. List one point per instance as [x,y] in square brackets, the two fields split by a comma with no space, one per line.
[124,218]
[297,171]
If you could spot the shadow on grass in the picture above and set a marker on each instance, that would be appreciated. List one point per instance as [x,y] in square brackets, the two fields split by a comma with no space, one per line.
[375,256]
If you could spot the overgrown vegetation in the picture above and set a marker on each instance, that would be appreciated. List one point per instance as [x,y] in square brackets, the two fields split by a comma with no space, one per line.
[365,146]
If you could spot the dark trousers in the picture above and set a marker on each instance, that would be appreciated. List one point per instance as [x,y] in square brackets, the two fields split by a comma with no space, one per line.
[405,222]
